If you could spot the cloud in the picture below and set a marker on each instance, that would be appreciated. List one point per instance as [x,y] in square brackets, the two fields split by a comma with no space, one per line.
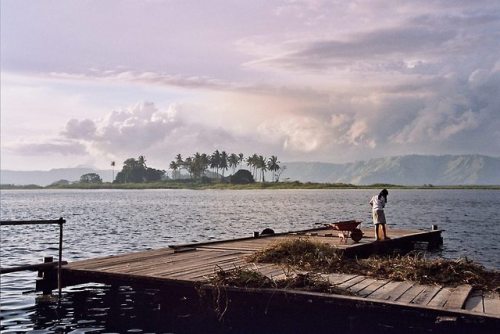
[75,129]
[301,79]
[54,147]
[371,36]
[139,127]
[371,46]
[149,78]
[159,134]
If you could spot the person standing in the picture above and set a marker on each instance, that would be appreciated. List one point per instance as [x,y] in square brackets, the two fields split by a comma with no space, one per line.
[378,203]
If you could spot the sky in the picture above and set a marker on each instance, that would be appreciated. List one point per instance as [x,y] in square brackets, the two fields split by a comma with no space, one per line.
[87,82]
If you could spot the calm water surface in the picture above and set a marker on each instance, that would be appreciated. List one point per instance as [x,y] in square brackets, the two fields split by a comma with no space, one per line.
[110,222]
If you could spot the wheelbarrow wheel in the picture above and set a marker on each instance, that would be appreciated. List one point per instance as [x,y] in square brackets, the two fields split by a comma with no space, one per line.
[356,234]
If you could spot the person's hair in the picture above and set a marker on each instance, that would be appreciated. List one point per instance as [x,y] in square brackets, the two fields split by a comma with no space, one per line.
[383,194]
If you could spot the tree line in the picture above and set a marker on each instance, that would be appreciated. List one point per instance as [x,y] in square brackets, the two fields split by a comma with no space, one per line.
[219,162]
[197,166]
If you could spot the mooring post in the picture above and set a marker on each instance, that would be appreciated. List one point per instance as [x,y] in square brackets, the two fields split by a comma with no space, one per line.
[435,240]
[47,275]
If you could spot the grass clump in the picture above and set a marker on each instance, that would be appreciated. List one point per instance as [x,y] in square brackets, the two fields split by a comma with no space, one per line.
[240,277]
[319,257]
[247,278]
[416,267]
[301,253]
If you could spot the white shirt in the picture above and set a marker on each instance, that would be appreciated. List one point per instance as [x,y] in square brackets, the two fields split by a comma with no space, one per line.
[377,204]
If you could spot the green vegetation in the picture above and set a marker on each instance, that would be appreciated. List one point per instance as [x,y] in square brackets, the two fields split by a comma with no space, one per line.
[319,257]
[136,171]
[218,162]
[88,178]
[19,187]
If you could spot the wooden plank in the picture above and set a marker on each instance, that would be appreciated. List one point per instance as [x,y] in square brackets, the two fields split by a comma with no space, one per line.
[111,265]
[491,303]
[411,293]
[211,266]
[458,297]
[272,271]
[203,274]
[366,292]
[187,265]
[208,266]
[228,265]
[169,260]
[399,290]
[440,298]
[150,265]
[475,302]
[116,259]
[336,279]
[153,269]
[425,296]
[351,282]
[384,290]
[361,285]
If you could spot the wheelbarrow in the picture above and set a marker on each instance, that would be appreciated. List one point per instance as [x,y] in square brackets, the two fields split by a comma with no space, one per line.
[348,229]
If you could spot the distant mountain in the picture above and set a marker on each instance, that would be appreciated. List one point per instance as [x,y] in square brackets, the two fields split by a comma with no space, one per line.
[44,178]
[404,170]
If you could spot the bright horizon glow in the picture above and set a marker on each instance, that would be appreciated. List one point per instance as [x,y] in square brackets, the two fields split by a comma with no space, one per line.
[90,82]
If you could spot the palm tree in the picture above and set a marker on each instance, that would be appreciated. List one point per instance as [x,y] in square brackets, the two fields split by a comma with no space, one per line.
[173,166]
[261,164]
[240,158]
[188,165]
[113,165]
[215,161]
[233,161]
[179,162]
[223,162]
[272,165]
[252,162]
[198,164]
[205,162]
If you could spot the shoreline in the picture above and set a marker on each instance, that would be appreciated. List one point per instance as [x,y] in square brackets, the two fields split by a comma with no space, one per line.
[253,186]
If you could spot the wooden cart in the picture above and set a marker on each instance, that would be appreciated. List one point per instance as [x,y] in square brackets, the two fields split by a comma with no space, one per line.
[348,229]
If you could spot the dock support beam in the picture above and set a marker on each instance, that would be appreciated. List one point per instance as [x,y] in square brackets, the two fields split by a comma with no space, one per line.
[47,277]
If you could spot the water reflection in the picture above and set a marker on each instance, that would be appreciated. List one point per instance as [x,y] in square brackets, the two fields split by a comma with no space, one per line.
[123,309]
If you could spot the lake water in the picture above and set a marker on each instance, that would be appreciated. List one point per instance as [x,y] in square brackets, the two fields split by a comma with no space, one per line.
[107,222]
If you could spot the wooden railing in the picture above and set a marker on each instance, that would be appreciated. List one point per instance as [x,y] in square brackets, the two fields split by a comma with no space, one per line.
[41,266]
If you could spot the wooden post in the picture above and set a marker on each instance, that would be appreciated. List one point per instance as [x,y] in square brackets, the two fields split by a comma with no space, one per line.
[45,283]
[59,283]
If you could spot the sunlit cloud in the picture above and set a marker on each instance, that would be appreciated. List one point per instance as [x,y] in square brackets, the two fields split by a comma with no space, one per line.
[303,79]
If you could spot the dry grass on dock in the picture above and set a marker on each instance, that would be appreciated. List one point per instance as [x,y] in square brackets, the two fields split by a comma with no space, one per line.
[319,257]
[248,278]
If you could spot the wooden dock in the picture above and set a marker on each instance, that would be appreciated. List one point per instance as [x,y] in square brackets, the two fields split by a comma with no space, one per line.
[191,265]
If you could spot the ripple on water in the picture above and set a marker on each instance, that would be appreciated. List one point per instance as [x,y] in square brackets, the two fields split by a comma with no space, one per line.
[101,223]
